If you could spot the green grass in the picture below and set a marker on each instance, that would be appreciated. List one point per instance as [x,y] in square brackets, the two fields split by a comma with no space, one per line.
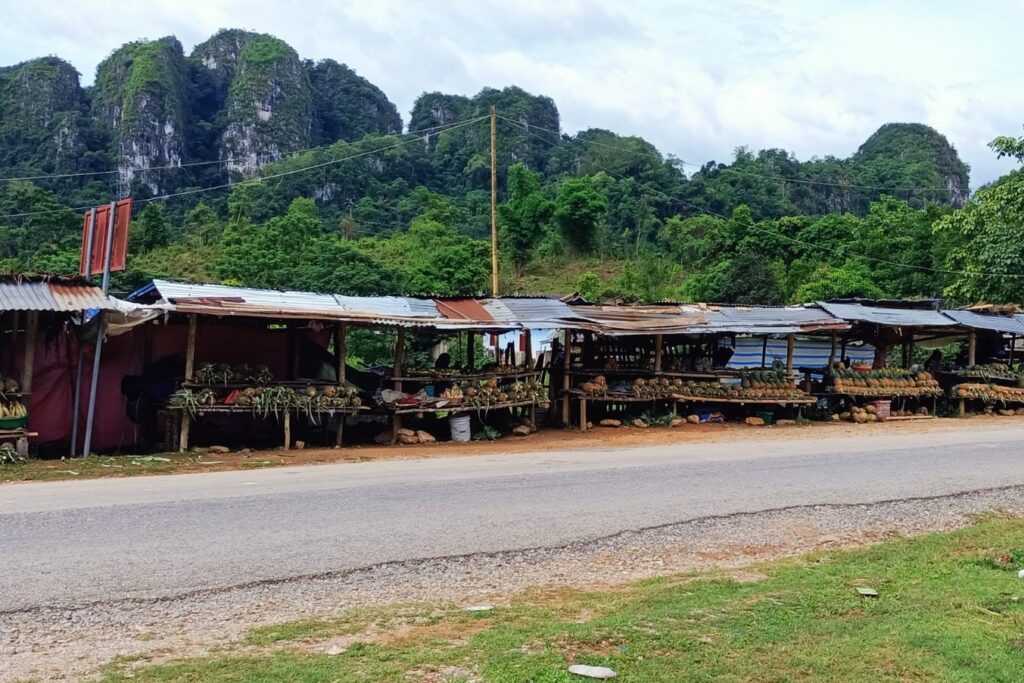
[950,608]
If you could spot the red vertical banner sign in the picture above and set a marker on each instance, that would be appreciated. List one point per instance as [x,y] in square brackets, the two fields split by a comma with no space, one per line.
[98,251]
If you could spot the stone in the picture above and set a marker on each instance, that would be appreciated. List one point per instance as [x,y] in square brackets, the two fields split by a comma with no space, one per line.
[408,439]
[754,422]
[383,437]
[299,445]
[693,419]
[590,425]
[334,650]
[522,430]
[785,422]
[610,423]
[599,672]
[527,422]
[677,421]
[641,424]
[219,450]
[425,437]
[1007,413]
[406,432]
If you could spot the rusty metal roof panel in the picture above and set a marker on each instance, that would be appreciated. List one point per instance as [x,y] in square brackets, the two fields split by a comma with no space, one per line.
[995,322]
[463,309]
[893,317]
[51,295]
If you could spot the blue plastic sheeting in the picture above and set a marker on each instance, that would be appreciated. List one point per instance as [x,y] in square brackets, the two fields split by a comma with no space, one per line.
[808,353]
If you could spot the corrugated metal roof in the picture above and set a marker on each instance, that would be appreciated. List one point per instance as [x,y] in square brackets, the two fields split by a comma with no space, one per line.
[771,320]
[463,309]
[893,317]
[987,321]
[40,295]
[539,312]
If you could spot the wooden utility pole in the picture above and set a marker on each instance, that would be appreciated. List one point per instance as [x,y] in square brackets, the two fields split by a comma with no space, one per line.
[494,202]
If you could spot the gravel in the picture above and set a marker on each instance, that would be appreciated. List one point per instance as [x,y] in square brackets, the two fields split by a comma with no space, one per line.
[69,644]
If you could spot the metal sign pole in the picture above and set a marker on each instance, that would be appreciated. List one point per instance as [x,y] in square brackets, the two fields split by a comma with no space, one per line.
[87,272]
[100,333]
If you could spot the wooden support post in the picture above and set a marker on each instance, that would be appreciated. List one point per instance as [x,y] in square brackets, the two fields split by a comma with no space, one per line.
[910,350]
[832,351]
[399,358]
[31,332]
[190,361]
[340,351]
[340,433]
[528,353]
[470,350]
[764,350]
[963,407]
[659,341]
[972,348]
[494,203]
[287,429]
[1013,344]
[790,347]
[583,413]
[291,352]
[566,364]
[842,351]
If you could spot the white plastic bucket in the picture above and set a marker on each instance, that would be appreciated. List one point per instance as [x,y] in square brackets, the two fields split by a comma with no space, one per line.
[460,427]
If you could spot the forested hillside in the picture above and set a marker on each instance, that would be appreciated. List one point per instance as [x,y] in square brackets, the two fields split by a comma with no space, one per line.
[251,165]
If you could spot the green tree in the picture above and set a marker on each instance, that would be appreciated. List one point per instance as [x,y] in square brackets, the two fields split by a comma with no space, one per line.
[202,224]
[150,230]
[523,216]
[988,252]
[590,286]
[852,279]
[648,277]
[579,210]
[291,252]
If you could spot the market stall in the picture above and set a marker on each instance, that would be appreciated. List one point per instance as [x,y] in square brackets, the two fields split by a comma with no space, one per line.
[996,381]
[893,391]
[38,316]
[678,354]
[506,382]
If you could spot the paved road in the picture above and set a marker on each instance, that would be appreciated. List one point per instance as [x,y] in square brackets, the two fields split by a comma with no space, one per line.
[70,543]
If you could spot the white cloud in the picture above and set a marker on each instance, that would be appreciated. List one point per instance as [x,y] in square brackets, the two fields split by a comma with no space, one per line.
[696,78]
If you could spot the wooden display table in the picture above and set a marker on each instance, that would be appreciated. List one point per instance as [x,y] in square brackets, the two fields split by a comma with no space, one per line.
[186,418]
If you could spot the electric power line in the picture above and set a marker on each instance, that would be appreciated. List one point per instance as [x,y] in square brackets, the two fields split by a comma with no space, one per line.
[259,179]
[775,234]
[269,158]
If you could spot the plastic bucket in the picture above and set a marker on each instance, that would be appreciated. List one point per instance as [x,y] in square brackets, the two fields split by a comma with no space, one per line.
[766,416]
[460,427]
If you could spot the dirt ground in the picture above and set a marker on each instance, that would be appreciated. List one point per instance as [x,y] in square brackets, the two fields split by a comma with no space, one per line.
[207,460]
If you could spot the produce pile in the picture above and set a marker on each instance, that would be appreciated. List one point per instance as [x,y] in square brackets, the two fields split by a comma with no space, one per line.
[753,385]
[12,410]
[989,393]
[884,382]
[490,393]
[457,373]
[861,415]
[993,371]
[266,401]
[9,387]
[222,373]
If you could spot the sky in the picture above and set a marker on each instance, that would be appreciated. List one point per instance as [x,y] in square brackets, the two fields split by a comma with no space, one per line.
[697,79]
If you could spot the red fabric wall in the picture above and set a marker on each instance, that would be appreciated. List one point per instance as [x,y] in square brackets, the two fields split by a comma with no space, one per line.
[50,408]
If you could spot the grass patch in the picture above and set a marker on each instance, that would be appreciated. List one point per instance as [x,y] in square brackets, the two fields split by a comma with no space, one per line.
[947,609]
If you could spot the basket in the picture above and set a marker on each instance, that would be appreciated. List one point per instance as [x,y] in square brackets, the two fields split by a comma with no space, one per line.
[13,422]
[883,409]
